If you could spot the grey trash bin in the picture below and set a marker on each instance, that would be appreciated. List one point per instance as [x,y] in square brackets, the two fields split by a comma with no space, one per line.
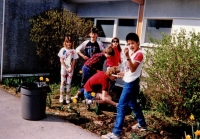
[33,101]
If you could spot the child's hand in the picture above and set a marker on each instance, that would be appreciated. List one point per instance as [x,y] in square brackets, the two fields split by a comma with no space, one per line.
[69,70]
[126,52]
[85,58]
[120,75]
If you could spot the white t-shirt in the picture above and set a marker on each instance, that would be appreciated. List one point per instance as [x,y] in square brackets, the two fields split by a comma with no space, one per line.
[132,76]
[69,55]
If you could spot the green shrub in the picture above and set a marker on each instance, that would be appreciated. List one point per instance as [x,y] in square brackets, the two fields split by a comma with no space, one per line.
[173,69]
[48,30]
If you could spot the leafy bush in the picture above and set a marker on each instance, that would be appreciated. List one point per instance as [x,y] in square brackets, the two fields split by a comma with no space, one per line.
[48,30]
[173,69]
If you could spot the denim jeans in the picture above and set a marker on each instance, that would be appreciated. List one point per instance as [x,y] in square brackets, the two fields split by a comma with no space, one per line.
[88,95]
[86,74]
[128,98]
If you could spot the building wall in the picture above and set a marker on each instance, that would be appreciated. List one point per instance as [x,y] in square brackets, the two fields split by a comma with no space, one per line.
[108,9]
[183,14]
[19,52]
[172,9]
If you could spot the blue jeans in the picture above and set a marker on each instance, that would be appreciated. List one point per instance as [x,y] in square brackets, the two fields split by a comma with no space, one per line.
[128,98]
[86,74]
[88,95]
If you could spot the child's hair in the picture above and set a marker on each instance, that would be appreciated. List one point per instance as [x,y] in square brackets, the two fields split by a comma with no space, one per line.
[109,50]
[132,36]
[112,70]
[118,46]
[94,30]
[68,39]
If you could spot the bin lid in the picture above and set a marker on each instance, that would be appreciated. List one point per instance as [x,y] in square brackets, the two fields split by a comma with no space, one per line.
[29,85]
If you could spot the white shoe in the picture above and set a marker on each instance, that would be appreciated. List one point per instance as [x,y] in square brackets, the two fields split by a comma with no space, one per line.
[110,136]
[67,99]
[87,102]
[138,127]
[61,99]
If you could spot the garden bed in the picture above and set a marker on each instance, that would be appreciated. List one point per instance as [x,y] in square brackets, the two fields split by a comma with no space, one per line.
[159,126]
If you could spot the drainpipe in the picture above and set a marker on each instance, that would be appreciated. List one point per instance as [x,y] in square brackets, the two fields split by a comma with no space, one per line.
[4,3]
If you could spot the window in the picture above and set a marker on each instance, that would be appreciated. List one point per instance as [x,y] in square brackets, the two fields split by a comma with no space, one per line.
[105,27]
[110,28]
[126,26]
[154,28]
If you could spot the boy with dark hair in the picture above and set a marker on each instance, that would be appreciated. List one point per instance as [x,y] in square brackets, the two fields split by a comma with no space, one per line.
[89,48]
[130,88]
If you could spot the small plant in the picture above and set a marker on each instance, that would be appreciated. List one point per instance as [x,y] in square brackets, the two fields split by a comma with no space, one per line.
[196,134]
[75,101]
[96,109]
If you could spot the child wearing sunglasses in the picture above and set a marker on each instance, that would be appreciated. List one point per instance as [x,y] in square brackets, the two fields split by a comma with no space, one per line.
[114,60]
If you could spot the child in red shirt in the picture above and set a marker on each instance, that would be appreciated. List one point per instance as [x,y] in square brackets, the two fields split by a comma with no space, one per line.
[99,83]
[116,59]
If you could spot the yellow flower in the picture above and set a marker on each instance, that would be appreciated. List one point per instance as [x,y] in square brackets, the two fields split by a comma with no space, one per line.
[191,117]
[93,94]
[47,79]
[197,133]
[74,100]
[187,137]
[80,72]
[41,79]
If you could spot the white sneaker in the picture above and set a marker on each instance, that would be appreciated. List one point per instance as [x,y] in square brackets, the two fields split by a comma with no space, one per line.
[61,99]
[110,136]
[138,127]
[67,99]
[88,102]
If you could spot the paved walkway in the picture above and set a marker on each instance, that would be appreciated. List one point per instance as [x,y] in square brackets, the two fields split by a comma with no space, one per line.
[13,126]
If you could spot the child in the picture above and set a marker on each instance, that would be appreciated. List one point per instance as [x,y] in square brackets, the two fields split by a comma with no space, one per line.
[114,60]
[90,47]
[68,58]
[94,64]
[130,92]
[99,83]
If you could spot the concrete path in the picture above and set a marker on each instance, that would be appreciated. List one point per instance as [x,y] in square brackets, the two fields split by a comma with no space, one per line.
[13,126]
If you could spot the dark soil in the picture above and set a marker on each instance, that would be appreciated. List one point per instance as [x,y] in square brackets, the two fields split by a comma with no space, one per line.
[159,126]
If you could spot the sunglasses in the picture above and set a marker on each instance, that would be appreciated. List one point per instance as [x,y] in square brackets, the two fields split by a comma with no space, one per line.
[115,41]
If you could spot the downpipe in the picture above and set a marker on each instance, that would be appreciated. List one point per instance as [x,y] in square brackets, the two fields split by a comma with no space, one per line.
[2,47]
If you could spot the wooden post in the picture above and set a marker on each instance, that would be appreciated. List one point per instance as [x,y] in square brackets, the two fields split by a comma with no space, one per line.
[140,16]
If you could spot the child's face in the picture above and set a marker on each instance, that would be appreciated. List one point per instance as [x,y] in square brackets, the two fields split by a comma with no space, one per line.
[115,42]
[132,45]
[68,45]
[93,36]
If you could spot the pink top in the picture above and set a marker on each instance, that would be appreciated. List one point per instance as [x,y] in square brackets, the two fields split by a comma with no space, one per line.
[114,60]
